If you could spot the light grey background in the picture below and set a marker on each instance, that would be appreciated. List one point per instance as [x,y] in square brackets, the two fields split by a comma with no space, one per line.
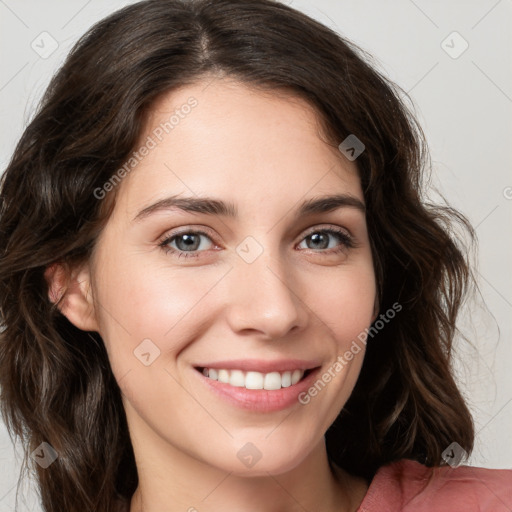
[464,105]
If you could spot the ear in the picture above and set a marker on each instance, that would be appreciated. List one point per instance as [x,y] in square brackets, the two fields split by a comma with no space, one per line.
[74,288]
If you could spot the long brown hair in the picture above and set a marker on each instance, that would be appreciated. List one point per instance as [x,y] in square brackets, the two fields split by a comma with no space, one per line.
[56,382]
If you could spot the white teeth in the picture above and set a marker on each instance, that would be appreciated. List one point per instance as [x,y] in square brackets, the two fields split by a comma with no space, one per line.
[272,381]
[237,378]
[296,376]
[255,380]
[223,376]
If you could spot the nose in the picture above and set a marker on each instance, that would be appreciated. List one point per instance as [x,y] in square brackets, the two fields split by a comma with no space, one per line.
[264,297]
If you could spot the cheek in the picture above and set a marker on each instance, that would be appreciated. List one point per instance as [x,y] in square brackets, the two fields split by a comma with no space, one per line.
[137,301]
[344,301]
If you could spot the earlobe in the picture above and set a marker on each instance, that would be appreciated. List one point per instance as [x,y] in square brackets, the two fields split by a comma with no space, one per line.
[73,290]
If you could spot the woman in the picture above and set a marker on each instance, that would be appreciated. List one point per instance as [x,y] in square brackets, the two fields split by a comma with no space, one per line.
[173,338]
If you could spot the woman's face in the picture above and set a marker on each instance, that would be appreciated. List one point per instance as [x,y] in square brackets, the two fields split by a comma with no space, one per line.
[240,277]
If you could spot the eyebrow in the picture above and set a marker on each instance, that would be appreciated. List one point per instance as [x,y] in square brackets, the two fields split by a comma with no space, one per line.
[213,206]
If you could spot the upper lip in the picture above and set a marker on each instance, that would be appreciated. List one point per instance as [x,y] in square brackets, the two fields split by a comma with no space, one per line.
[262,366]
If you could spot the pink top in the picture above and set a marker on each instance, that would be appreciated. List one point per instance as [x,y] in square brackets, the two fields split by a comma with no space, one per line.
[408,486]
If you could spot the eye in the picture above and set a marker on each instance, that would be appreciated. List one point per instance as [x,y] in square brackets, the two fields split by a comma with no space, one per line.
[187,243]
[319,239]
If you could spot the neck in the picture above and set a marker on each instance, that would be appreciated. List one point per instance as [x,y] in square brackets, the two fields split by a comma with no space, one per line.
[172,481]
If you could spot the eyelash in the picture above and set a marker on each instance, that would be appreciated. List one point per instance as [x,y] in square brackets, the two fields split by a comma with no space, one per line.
[346,241]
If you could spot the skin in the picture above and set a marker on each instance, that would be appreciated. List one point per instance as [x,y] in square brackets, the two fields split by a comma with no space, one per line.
[263,152]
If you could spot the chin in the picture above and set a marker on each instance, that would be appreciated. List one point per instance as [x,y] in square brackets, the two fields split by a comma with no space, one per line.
[252,462]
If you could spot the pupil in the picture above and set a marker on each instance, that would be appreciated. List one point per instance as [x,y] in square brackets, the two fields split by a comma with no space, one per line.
[315,237]
[188,241]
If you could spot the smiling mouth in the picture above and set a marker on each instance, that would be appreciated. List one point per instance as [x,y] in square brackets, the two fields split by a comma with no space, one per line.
[255,380]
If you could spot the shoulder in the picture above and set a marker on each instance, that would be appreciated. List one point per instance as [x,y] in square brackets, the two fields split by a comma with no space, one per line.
[408,486]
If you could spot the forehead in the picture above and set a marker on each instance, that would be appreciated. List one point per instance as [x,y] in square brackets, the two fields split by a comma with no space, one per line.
[222,138]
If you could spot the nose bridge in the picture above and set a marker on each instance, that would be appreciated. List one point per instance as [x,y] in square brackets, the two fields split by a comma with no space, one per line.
[262,295]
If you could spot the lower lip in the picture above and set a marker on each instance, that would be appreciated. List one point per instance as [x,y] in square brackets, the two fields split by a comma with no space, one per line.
[260,400]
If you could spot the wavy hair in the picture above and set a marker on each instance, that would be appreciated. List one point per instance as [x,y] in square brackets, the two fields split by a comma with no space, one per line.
[56,382]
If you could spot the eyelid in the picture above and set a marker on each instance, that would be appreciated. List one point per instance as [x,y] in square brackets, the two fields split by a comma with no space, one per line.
[198,229]
[322,227]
